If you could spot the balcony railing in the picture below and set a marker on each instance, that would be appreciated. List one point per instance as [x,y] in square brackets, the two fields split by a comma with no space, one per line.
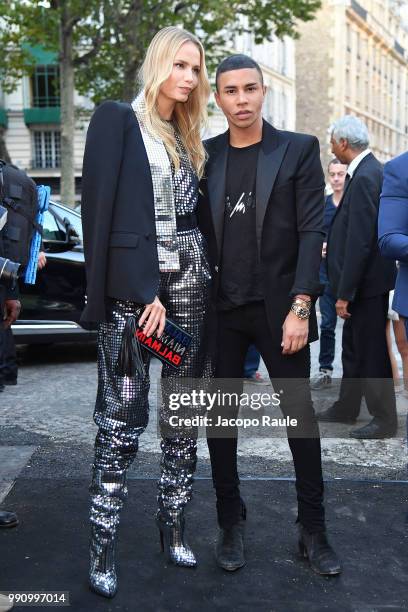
[46,101]
[51,164]
[3,117]
[51,114]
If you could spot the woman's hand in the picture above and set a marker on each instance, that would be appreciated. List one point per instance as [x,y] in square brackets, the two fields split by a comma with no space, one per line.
[155,316]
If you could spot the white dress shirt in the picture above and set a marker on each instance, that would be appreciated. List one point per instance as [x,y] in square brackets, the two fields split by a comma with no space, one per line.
[353,164]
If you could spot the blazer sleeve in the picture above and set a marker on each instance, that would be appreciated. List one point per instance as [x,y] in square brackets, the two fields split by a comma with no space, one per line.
[393,215]
[101,166]
[361,234]
[309,185]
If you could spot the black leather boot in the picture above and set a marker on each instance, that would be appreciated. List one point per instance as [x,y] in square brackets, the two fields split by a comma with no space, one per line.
[374,430]
[315,547]
[229,550]
[333,414]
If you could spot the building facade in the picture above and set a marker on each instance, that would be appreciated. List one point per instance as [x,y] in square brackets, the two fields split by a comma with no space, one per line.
[353,59]
[30,116]
[30,119]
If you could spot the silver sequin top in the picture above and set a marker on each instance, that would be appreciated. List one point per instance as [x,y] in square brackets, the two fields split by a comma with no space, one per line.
[185,183]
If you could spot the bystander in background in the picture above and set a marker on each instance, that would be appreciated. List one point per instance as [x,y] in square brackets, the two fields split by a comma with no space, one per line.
[361,280]
[327,301]
[251,367]
[8,356]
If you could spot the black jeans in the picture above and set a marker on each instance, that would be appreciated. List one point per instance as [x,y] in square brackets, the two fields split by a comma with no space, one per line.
[237,329]
[367,368]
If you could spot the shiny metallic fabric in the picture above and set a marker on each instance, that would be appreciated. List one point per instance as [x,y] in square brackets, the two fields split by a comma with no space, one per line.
[122,409]
[108,490]
[185,182]
[161,171]
[172,539]
[102,573]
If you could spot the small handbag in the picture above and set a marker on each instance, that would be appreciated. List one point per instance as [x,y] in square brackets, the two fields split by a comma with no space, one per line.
[171,347]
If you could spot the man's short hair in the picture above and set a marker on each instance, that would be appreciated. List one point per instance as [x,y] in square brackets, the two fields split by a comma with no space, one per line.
[352,129]
[238,61]
[334,161]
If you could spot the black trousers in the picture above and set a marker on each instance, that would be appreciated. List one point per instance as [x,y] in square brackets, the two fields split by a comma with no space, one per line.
[237,330]
[367,368]
[8,359]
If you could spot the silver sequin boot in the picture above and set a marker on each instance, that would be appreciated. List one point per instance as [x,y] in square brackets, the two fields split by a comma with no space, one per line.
[108,491]
[175,485]
[173,544]
[102,572]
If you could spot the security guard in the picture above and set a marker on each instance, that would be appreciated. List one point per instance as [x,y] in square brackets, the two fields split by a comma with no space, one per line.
[10,308]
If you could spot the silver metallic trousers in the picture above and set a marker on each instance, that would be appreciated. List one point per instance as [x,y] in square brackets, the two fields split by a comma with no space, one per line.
[122,408]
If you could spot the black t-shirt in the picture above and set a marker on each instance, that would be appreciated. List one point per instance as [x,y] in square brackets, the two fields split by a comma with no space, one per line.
[240,274]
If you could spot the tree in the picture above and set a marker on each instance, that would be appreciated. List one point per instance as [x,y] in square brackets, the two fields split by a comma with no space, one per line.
[4,154]
[101,43]
[55,26]
[118,51]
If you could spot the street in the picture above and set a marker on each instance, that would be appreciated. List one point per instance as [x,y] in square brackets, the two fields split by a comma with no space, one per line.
[46,438]
[51,410]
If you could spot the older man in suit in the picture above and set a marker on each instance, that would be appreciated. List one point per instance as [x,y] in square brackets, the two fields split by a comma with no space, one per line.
[361,280]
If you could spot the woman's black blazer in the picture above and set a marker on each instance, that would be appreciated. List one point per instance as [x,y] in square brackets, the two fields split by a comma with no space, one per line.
[117,212]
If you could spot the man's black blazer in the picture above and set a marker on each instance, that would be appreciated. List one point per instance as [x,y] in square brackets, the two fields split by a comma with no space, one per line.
[289,217]
[117,212]
[355,266]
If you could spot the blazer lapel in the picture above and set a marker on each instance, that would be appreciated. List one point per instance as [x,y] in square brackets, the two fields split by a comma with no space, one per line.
[339,205]
[270,159]
[343,196]
[216,179]
[367,157]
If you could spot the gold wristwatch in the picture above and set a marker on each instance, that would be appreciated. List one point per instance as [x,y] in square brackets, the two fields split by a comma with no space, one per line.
[301,308]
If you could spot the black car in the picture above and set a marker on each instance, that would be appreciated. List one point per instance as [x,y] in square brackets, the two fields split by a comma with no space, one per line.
[52,307]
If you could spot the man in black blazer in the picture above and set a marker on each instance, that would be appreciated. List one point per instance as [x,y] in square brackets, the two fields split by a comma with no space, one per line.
[261,211]
[361,279]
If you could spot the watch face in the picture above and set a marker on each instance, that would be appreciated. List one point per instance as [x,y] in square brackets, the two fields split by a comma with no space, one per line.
[301,312]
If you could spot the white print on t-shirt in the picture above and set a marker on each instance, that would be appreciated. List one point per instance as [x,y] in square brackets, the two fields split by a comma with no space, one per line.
[240,205]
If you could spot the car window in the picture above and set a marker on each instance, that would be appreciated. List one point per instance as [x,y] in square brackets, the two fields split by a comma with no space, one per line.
[75,221]
[73,218]
[52,229]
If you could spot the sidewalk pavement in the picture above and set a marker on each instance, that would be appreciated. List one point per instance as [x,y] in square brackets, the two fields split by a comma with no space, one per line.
[48,552]
[46,437]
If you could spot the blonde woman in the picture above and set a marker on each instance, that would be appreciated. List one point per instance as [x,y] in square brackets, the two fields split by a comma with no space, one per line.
[145,260]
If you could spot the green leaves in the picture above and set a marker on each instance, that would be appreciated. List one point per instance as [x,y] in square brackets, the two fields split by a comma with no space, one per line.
[111,36]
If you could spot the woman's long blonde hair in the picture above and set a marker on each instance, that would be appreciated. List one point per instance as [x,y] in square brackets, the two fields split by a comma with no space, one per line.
[190,116]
